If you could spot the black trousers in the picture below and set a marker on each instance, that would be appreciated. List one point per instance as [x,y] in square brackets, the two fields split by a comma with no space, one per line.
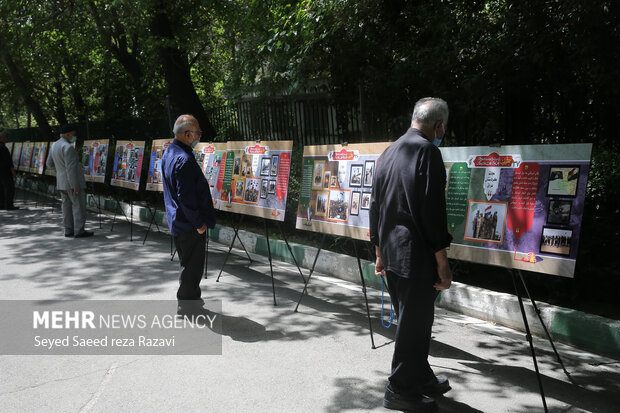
[191,249]
[414,303]
[7,192]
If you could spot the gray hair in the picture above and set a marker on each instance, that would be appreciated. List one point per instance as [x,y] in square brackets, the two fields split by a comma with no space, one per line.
[429,111]
[181,123]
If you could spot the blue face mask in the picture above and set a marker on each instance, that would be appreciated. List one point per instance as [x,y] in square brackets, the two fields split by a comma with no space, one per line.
[73,139]
[437,141]
[194,143]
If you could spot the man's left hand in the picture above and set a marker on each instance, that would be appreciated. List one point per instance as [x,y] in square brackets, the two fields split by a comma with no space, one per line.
[445,277]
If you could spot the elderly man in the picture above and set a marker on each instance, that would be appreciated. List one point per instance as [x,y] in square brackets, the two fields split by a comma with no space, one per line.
[189,209]
[7,173]
[70,182]
[408,225]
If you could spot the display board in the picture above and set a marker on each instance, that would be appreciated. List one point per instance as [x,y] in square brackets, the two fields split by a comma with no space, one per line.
[154,182]
[251,177]
[26,157]
[16,154]
[94,159]
[517,206]
[209,157]
[39,153]
[9,146]
[128,164]
[335,190]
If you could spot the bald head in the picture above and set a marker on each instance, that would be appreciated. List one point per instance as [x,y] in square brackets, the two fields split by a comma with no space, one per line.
[187,129]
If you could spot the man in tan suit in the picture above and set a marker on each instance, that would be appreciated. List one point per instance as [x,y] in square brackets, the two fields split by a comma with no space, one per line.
[70,182]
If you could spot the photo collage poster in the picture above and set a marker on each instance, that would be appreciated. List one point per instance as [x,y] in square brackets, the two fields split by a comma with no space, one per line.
[17,154]
[154,181]
[94,159]
[39,153]
[517,206]
[336,186]
[128,164]
[26,157]
[209,158]
[252,177]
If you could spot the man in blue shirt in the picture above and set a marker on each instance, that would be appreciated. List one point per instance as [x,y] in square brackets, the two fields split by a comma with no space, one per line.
[189,207]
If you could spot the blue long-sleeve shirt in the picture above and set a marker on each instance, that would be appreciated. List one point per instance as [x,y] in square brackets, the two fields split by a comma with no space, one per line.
[186,191]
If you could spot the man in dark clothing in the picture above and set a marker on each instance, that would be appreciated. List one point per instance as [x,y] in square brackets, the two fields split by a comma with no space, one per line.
[408,226]
[189,207]
[7,173]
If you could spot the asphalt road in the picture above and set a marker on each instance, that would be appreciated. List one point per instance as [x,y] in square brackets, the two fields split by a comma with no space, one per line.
[273,359]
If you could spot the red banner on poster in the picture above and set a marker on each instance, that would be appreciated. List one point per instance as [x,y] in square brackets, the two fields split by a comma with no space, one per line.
[283,172]
[523,199]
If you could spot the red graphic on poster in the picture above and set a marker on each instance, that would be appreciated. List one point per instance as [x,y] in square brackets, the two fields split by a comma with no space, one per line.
[256,150]
[523,198]
[166,145]
[493,160]
[208,149]
[129,146]
[342,155]
[220,176]
[283,172]
[139,167]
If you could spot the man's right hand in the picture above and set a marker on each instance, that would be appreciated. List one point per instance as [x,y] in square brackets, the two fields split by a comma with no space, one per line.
[443,270]
[76,191]
[202,229]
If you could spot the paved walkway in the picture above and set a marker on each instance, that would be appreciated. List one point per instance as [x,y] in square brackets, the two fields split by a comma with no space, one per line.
[274,360]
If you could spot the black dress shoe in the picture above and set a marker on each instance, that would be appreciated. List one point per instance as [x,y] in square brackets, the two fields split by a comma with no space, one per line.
[12,208]
[84,234]
[436,386]
[70,234]
[408,402]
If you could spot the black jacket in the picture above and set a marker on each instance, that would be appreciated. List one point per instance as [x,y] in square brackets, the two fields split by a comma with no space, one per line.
[408,206]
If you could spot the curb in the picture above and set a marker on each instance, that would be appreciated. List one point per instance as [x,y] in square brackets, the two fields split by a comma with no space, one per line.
[586,331]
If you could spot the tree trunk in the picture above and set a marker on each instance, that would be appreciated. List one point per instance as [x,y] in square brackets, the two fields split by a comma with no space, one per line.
[60,112]
[25,90]
[183,97]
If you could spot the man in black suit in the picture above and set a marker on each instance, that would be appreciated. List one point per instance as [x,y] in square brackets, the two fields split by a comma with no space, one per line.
[7,173]
[408,226]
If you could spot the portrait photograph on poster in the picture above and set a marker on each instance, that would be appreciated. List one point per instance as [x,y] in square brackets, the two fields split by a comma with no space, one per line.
[264,187]
[486,221]
[369,169]
[322,198]
[333,182]
[355,178]
[338,209]
[326,180]
[239,185]
[559,212]
[265,167]
[275,159]
[317,177]
[556,241]
[365,200]
[252,190]
[272,186]
[237,167]
[563,181]
[355,203]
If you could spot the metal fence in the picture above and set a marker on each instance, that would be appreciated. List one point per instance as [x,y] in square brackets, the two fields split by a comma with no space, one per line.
[307,120]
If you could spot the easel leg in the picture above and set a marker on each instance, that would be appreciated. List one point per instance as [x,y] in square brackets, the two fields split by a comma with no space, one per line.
[544,326]
[239,238]
[311,271]
[207,254]
[131,223]
[359,264]
[528,336]
[290,250]
[150,223]
[273,286]
[116,206]
[235,236]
